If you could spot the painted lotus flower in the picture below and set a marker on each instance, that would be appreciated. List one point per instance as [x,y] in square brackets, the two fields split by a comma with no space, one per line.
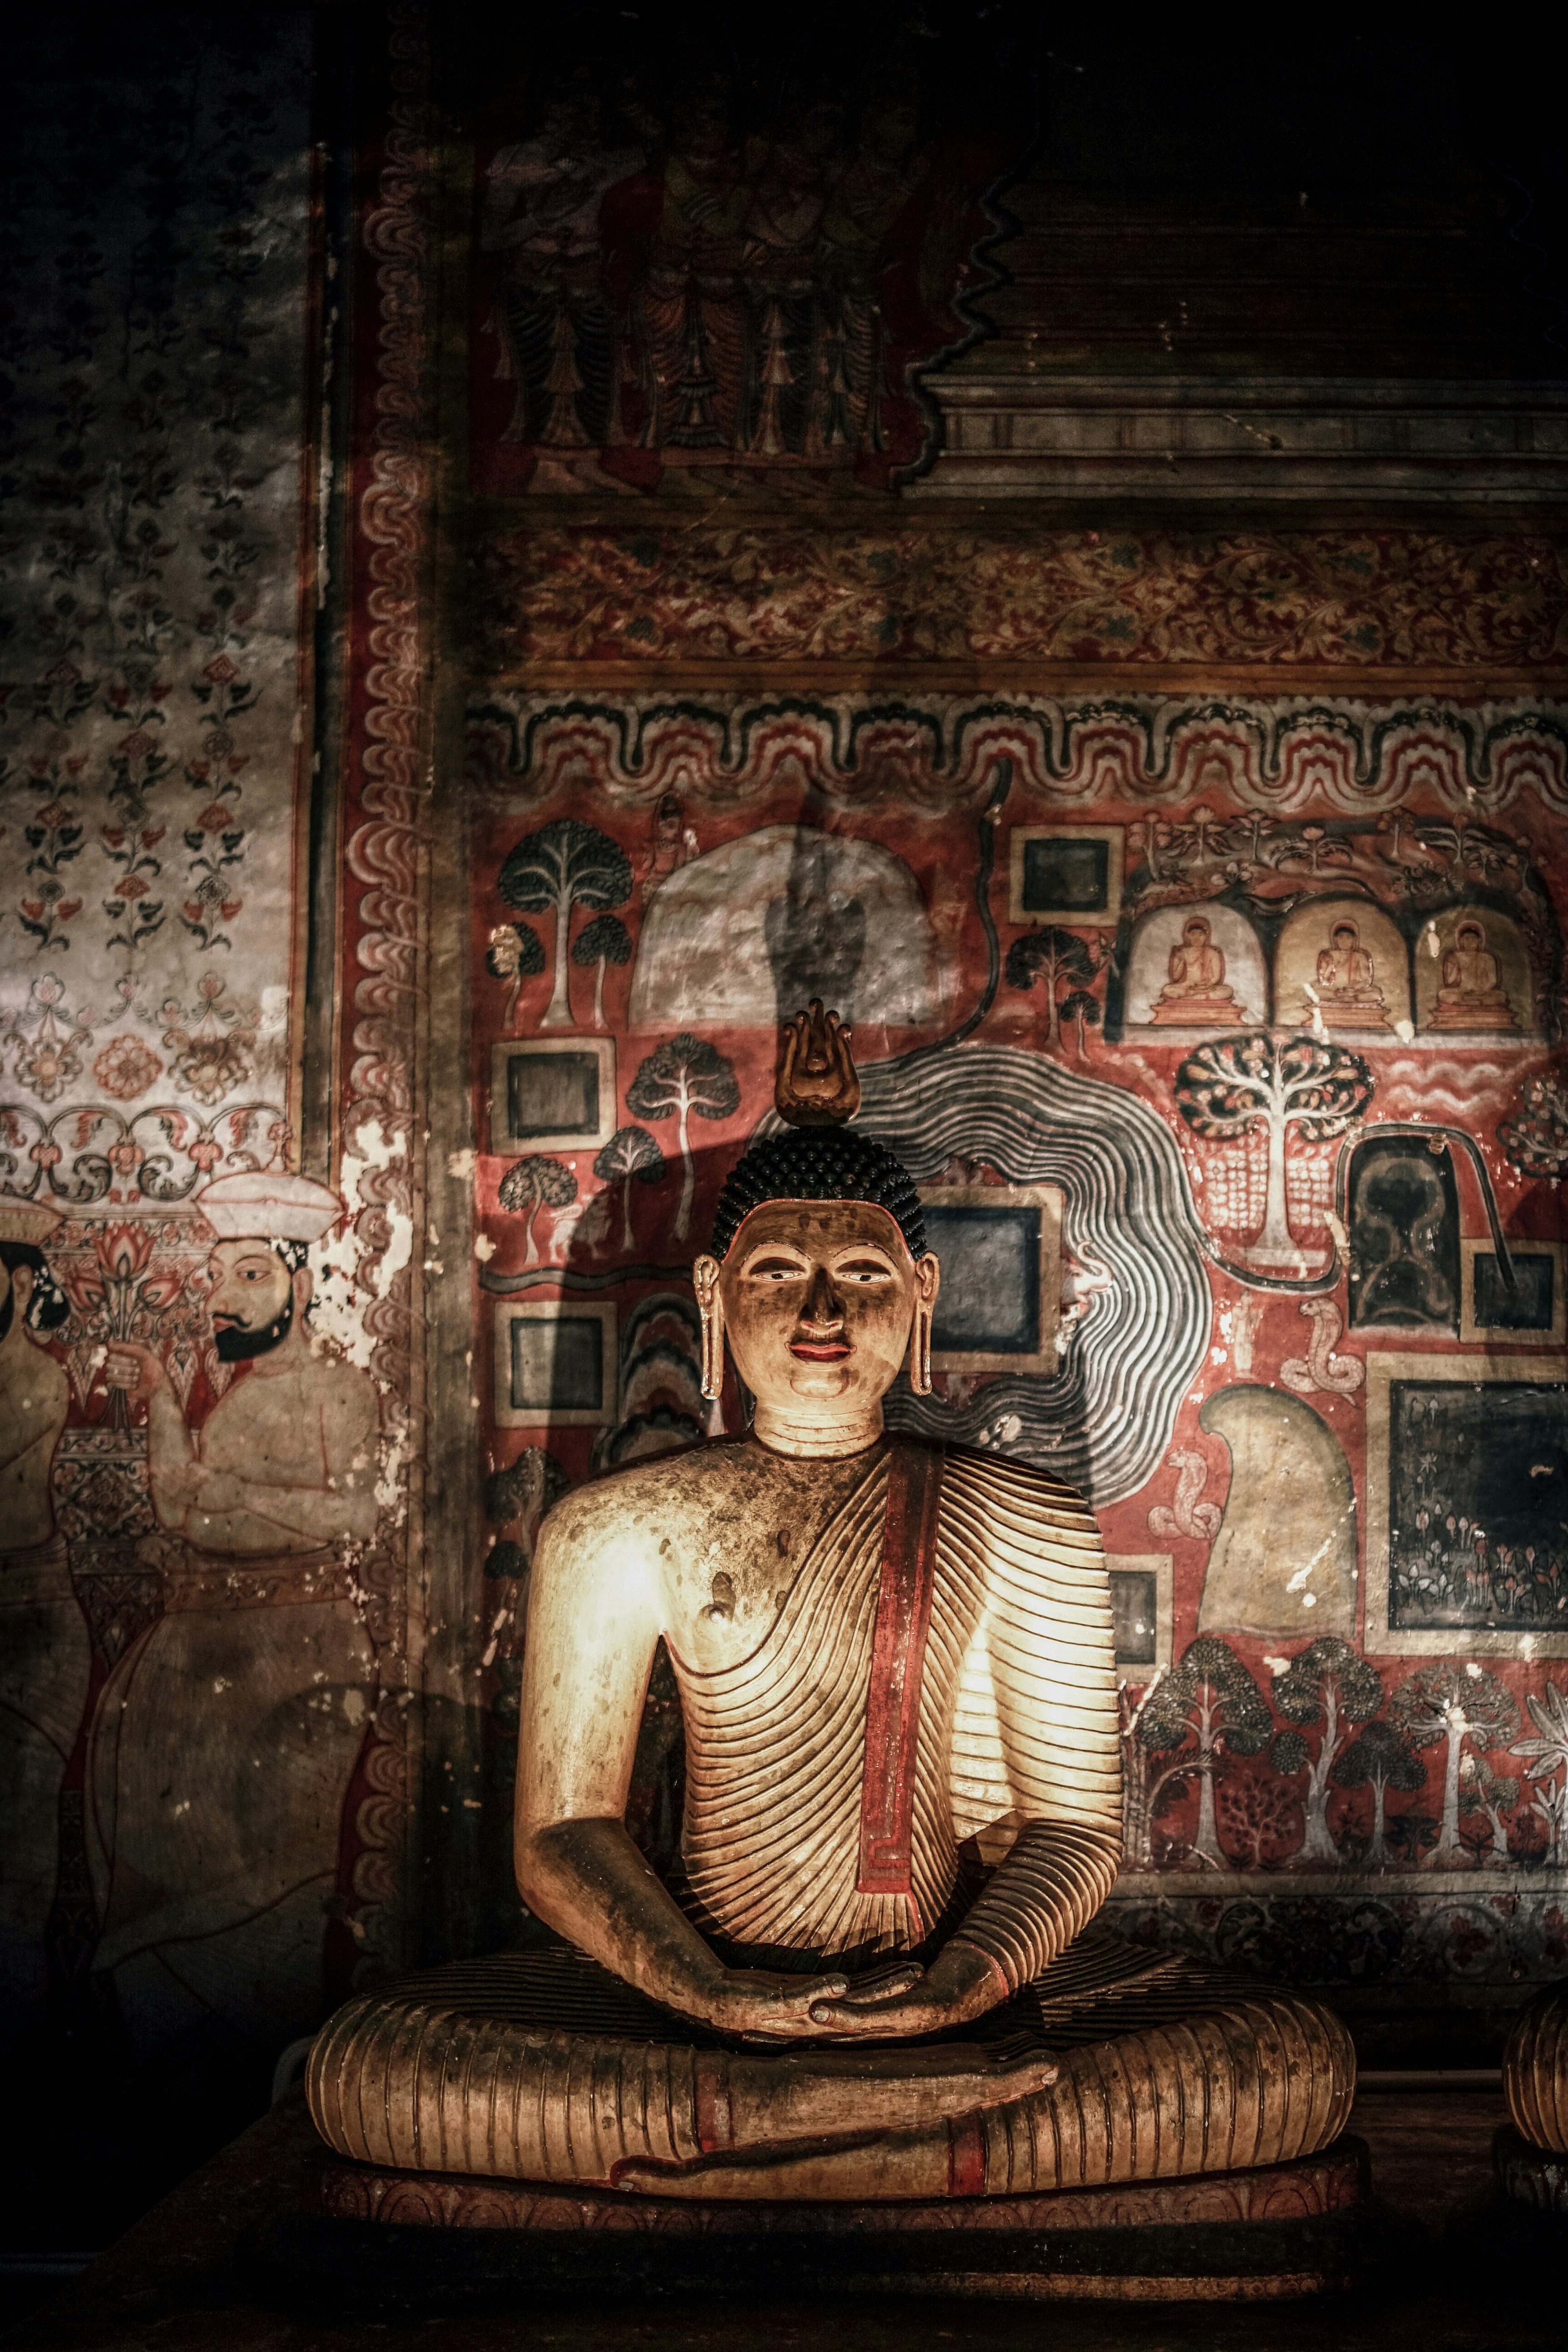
[126,1068]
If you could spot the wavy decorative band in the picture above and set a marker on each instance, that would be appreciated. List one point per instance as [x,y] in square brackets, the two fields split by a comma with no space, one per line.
[1289,754]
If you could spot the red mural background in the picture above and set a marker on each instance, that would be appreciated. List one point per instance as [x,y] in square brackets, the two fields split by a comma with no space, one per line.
[1335,1765]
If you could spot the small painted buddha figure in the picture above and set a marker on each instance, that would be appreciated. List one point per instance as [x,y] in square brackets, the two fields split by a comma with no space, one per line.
[1345,989]
[1471,995]
[1196,992]
[871,1976]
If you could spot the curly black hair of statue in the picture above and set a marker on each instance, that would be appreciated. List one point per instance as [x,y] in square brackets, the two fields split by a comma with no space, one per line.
[819,1163]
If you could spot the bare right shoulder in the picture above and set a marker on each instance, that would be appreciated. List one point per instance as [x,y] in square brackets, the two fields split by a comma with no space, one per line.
[660,1494]
[655,1527]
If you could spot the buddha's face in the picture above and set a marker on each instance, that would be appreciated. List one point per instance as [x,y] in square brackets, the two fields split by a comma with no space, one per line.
[818,1300]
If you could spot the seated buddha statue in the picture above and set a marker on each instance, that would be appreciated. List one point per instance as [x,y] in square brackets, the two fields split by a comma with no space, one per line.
[875,1975]
[1471,995]
[1535,2071]
[1196,991]
[1345,990]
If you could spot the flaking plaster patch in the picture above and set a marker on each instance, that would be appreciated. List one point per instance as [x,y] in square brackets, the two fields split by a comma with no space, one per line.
[341,1282]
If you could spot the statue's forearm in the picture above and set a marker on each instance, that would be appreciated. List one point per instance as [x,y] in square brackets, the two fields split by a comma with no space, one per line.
[1042,1894]
[587,1880]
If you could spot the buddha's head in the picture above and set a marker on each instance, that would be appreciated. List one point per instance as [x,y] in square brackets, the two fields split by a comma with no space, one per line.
[1470,936]
[818,1275]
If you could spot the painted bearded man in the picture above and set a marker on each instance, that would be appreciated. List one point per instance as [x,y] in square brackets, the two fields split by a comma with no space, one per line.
[45,1658]
[285,1463]
[225,1738]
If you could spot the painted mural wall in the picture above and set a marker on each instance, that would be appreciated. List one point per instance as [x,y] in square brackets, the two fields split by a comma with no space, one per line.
[194,1453]
[1268,995]
[1204,960]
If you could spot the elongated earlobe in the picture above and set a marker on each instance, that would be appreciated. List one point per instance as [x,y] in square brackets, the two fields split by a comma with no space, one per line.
[928,1279]
[710,1308]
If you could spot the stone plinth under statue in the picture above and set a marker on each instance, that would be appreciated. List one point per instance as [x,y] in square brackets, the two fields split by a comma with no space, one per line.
[873,1980]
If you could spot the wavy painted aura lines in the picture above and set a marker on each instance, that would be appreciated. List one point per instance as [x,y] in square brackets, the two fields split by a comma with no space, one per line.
[1103,1422]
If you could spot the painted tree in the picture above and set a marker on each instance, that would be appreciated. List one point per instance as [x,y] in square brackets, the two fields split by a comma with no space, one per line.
[604,940]
[1490,1794]
[535,1183]
[516,952]
[1211,1697]
[1148,1783]
[1056,958]
[1546,1755]
[1536,1137]
[1237,1087]
[1460,1705]
[1330,1683]
[686,1079]
[1257,1812]
[564,865]
[517,1498]
[1082,1009]
[631,1155]
[1379,1760]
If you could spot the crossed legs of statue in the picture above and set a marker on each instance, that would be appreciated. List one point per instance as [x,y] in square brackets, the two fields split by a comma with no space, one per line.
[1535,2071]
[1116,2066]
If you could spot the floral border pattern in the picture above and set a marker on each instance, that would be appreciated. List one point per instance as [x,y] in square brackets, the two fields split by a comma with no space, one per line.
[907,595]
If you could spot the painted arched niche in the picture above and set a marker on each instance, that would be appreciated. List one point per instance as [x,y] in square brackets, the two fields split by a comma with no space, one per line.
[1284,1561]
[1163,933]
[1341,968]
[744,936]
[1472,976]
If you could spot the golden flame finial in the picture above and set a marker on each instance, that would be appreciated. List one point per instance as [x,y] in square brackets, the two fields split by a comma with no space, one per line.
[816,1082]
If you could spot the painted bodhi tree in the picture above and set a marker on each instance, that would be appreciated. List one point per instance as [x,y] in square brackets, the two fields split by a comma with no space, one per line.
[1239,1086]
[604,940]
[515,1500]
[631,1155]
[686,1079]
[1332,1684]
[1053,960]
[1379,1760]
[1487,1795]
[1460,1706]
[564,865]
[532,1184]
[1212,1700]
[1082,1009]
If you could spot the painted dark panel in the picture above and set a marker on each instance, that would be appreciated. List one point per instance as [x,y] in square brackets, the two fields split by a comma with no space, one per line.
[1478,1502]
[1405,1237]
